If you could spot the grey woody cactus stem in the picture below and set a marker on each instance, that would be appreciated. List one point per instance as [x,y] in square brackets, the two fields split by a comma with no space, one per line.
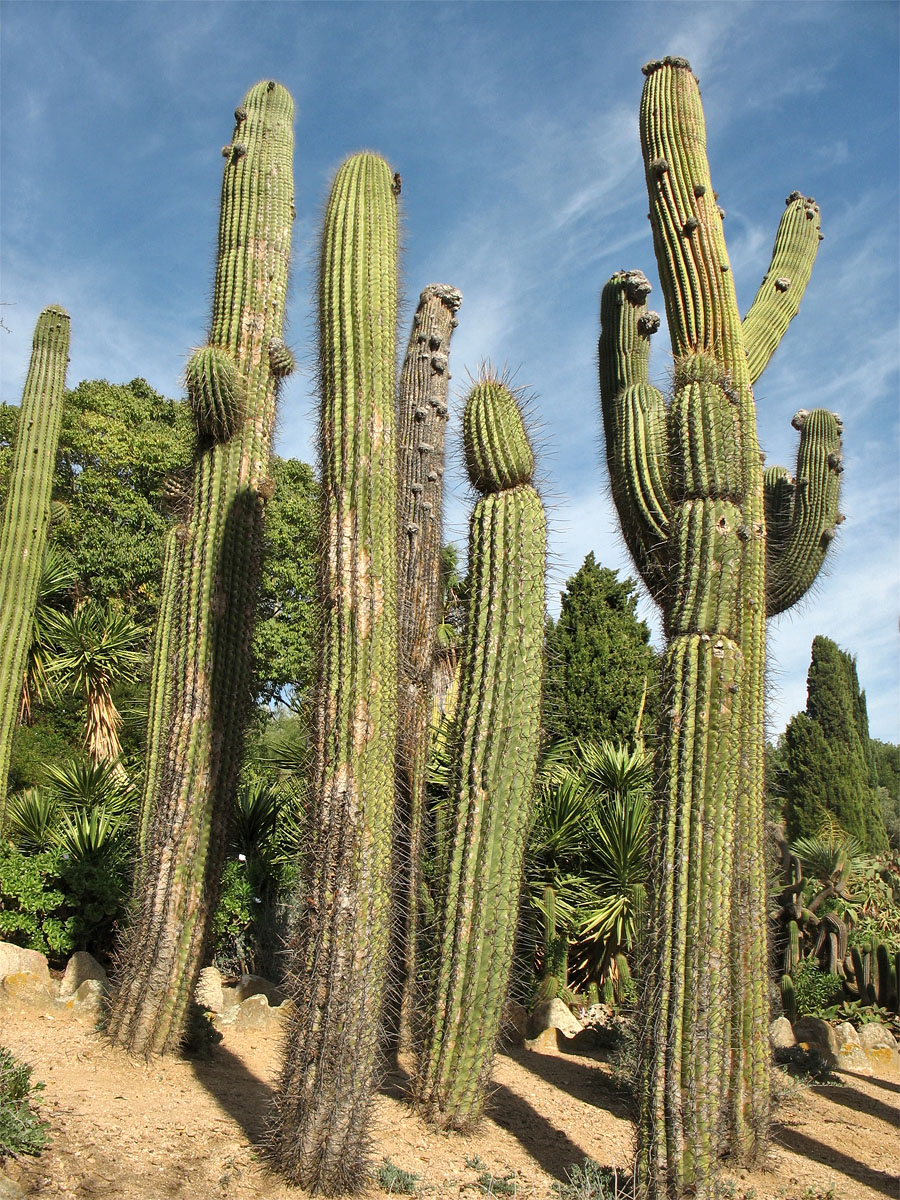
[688,482]
[26,517]
[421,425]
[200,691]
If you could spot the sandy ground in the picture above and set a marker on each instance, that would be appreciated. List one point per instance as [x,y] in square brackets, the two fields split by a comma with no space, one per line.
[176,1128]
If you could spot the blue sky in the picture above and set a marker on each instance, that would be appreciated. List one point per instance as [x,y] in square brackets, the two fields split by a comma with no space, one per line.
[514,126]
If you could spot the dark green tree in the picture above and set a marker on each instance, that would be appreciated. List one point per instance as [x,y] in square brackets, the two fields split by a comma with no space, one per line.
[828,766]
[599,661]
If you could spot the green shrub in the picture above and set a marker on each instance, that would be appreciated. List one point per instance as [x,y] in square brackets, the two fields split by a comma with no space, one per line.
[394,1179]
[815,990]
[21,1130]
[590,1181]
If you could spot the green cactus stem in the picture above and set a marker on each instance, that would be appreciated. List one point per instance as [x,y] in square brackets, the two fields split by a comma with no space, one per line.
[688,482]
[200,692]
[788,998]
[886,989]
[421,425]
[26,517]
[494,764]
[339,946]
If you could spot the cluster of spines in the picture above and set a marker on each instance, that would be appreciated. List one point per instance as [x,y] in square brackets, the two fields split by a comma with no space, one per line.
[495,760]
[688,483]
[339,947]
[26,517]
[201,663]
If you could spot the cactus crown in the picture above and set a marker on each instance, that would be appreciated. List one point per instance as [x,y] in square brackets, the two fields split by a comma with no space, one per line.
[498,453]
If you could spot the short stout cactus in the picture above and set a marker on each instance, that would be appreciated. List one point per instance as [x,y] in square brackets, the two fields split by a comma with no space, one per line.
[339,945]
[694,502]
[495,760]
[26,516]
[200,688]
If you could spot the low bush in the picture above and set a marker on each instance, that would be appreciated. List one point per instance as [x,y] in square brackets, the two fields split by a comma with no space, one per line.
[21,1129]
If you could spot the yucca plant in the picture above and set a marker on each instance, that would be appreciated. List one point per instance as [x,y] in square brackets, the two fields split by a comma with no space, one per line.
[32,819]
[56,581]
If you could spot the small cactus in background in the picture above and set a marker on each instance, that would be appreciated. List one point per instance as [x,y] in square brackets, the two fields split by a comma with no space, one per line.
[421,425]
[788,998]
[200,688]
[26,517]
[339,946]
[688,483]
[495,761]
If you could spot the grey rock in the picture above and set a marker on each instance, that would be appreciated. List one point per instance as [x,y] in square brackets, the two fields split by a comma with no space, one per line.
[875,1035]
[80,968]
[13,960]
[813,1031]
[22,987]
[256,1013]
[846,1035]
[10,1190]
[553,1014]
[781,1035]
[209,989]
[255,985]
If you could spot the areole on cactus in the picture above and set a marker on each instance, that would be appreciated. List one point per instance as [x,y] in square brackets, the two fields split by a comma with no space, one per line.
[497,736]
[688,483]
[200,680]
[26,516]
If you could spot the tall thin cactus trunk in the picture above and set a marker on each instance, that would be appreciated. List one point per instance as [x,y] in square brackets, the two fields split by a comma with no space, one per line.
[339,947]
[211,574]
[693,499]
[26,517]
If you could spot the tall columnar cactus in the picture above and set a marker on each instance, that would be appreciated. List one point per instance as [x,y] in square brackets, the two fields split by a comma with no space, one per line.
[688,482]
[201,667]
[495,762]
[26,517]
[339,947]
[421,425]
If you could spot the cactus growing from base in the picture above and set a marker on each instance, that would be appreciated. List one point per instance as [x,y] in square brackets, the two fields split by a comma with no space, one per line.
[201,686]
[26,516]
[339,946]
[494,769]
[688,482]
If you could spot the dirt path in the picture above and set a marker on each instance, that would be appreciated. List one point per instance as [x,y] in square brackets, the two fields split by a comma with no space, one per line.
[128,1130]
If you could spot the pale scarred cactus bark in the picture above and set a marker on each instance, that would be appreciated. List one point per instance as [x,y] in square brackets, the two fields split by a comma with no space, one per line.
[495,760]
[688,482]
[339,947]
[201,668]
[26,517]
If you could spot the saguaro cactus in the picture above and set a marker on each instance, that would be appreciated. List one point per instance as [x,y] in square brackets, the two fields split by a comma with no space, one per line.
[339,948]
[421,425]
[498,725]
[210,577]
[688,482]
[26,517]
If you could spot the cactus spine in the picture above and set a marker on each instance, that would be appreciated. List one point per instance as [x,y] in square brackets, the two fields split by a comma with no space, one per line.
[495,762]
[421,424]
[339,947]
[211,572]
[26,517]
[688,483]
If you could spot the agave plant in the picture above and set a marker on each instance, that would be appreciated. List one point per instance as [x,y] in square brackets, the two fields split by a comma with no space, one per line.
[32,819]
[94,649]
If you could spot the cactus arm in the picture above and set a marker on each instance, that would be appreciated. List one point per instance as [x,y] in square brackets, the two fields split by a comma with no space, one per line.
[495,764]
[203,705]
[26,516]
[802,512]
[778,299]
[421,425]
[634,425]
[339,946]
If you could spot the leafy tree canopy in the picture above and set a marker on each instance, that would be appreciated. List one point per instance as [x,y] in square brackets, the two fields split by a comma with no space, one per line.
[599,660]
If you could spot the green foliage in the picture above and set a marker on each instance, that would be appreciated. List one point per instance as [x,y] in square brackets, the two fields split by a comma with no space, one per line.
[827,768]
[284,642]
[814,989]
[599,661]
[395,1180]
[21,1129]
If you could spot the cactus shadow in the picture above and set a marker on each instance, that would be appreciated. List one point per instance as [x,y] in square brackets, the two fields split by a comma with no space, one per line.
[849,1097]
[588,1084]
[835,1160]
[240,1094]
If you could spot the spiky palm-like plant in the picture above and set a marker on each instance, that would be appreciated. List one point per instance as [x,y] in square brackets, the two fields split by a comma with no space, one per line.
[26,517]
[498,720]
[198,711]
[339,947]
[694,503]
